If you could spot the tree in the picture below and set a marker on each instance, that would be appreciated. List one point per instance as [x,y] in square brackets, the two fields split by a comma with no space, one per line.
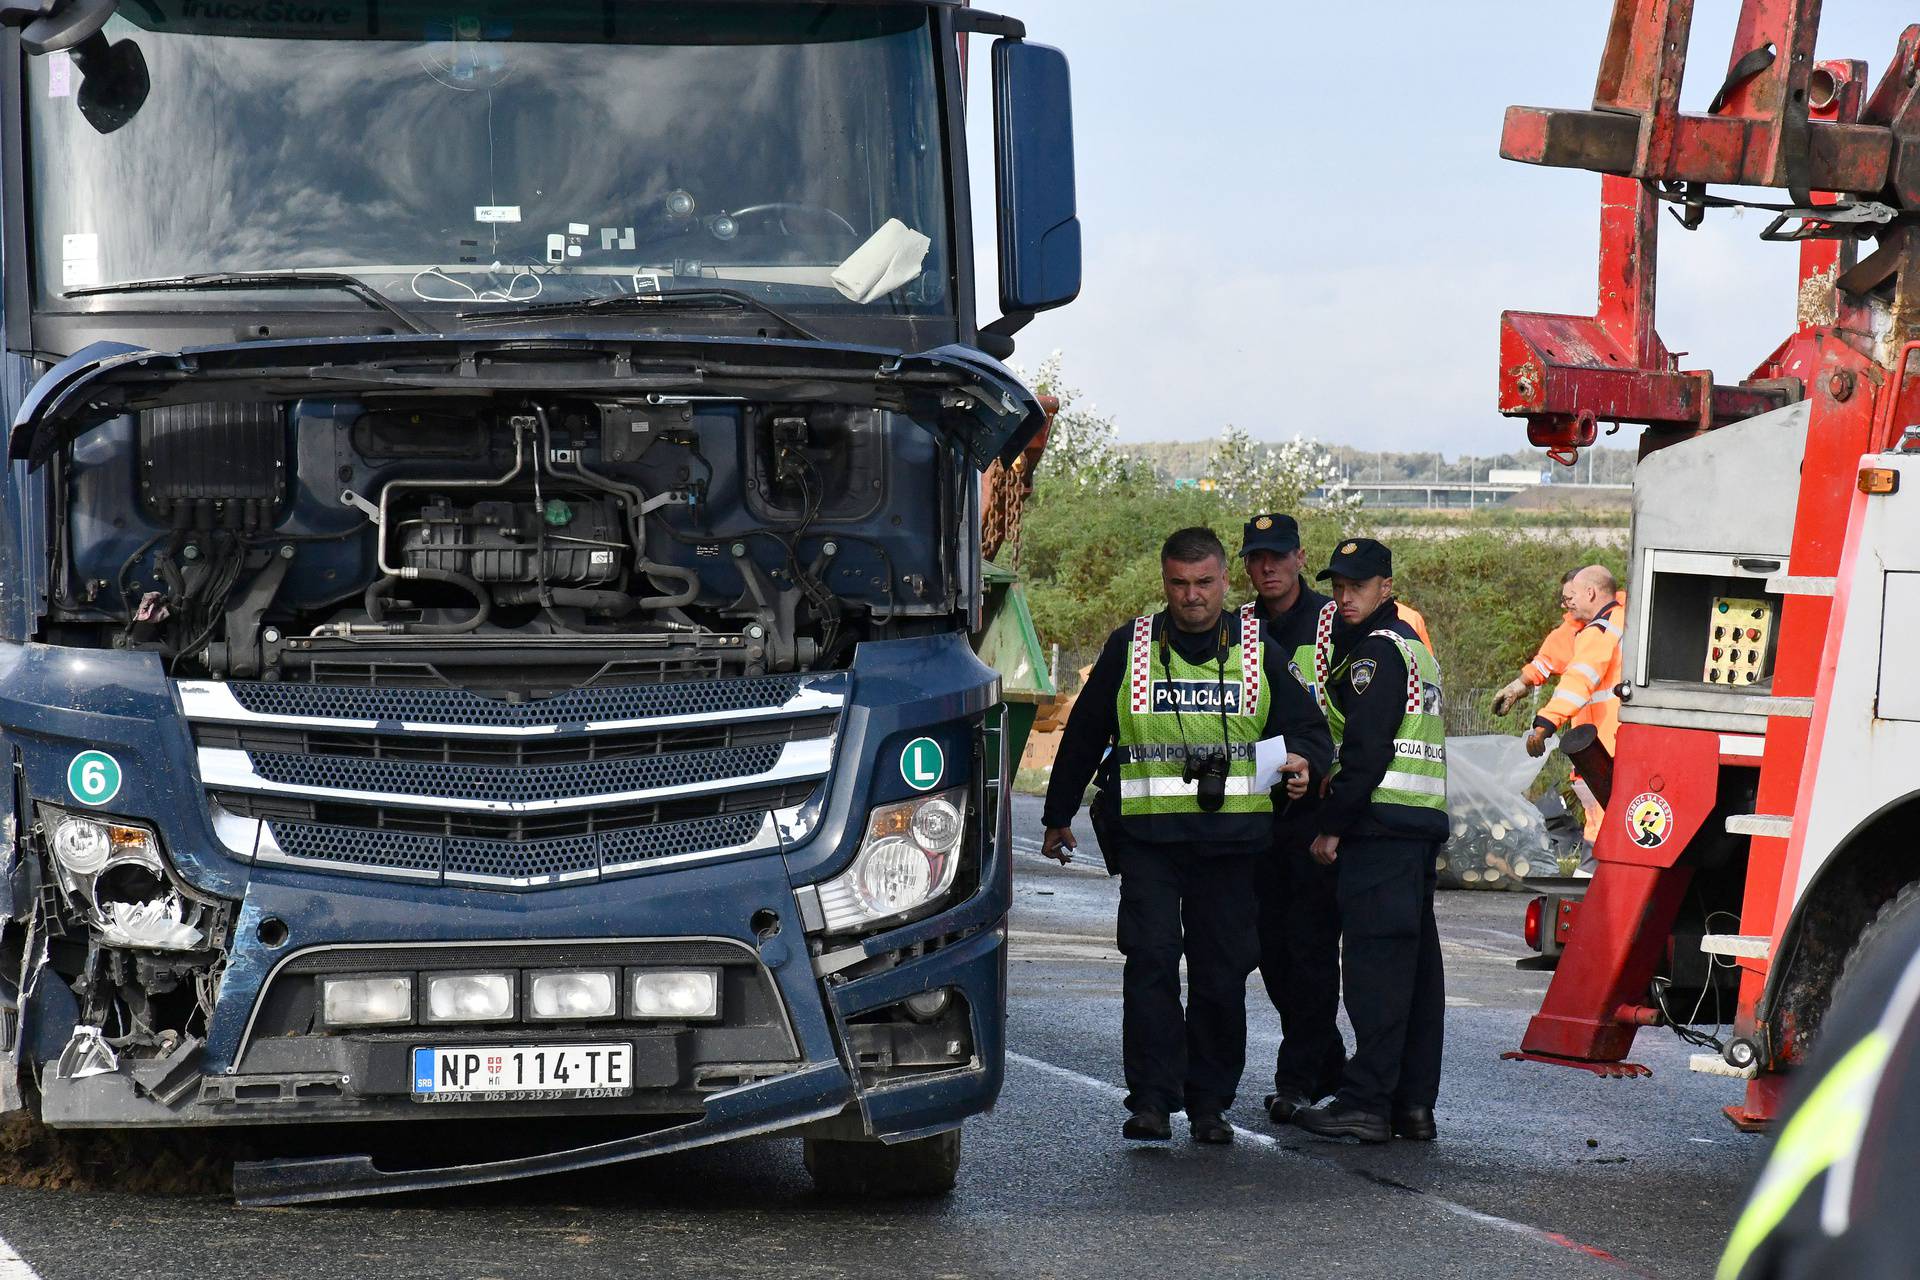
[1250,476]
[1083,449]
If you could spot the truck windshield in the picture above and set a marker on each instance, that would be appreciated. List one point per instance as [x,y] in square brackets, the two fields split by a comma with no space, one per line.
[477,154]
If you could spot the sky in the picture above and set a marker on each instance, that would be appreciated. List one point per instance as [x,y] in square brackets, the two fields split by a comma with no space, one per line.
[1296,219]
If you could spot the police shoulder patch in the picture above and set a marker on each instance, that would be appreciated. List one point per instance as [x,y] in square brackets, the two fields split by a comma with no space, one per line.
[1360,675]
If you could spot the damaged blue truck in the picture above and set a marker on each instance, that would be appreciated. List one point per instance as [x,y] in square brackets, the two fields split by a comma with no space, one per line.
[491,543]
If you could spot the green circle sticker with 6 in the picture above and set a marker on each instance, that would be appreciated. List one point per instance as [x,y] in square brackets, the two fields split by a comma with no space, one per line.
[923,764]
[93,777]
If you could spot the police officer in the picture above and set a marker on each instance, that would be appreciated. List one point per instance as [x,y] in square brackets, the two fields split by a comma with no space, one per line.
[1299,913]
[1381,825]
[1184,695]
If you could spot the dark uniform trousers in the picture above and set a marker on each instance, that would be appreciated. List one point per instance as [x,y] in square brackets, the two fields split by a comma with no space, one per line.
[1395,989]
[1300,961]
[1174,901]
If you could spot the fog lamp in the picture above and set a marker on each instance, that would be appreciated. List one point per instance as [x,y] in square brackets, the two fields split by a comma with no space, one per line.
[366,1002]
[589,994]
[663,993]
[469,997]
[929,1005]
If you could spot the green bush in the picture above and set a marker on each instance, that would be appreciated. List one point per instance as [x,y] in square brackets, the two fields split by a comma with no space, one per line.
[1489,595]
[1091,562]
[1091,535]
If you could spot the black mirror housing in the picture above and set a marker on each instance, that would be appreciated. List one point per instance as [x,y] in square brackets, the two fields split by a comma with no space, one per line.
[1033,146]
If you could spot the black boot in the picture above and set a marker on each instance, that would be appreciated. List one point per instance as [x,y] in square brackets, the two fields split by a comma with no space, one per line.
[1210,1127]
[1414,1123]
[1335,1121]
[1147,1125]
[1283,1106]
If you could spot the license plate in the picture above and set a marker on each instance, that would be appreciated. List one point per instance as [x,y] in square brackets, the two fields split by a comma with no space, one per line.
[484,1073]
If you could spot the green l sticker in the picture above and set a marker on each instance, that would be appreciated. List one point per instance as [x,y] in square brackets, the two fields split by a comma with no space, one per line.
[93,777]
[923,764]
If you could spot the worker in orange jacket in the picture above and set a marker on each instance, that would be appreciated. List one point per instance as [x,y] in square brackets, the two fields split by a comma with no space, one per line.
[1554,654]
[1411,616]
[1585,694]
[1556,651]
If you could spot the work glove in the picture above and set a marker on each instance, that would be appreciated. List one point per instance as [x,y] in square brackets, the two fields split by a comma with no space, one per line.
[1537,741]
[1509,697]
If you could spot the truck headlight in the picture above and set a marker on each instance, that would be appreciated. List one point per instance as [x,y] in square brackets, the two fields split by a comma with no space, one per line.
[908,859]
[117,869]
[83,845]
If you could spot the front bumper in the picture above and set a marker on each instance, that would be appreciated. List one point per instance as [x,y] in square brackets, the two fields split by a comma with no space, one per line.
[827,1094]
[53,701]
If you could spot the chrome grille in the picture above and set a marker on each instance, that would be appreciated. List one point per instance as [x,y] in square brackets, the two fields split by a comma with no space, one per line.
[286,700]
[509,784]
[336,779]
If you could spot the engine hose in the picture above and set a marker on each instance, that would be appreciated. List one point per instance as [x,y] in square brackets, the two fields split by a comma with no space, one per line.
[634,498]
[376,608]
[617,603]
[483,603]
[672,573]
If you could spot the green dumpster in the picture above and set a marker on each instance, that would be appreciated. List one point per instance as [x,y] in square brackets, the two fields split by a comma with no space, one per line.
[1008,643]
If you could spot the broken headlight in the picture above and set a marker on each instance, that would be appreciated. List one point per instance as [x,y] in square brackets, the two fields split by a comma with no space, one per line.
[117,869]
[84,845]
[908,860]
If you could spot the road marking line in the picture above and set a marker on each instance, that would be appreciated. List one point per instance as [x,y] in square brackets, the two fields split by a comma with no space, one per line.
[13,1266]
[1268,1142]
[1082,864]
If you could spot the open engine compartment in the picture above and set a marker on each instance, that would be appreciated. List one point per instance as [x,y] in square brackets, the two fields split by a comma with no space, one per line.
[501,542]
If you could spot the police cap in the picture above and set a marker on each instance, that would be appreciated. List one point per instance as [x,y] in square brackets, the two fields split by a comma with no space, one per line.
[1358,559]
[1271,532]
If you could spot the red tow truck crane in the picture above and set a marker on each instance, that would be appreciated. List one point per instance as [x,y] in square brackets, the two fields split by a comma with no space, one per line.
[1761,828]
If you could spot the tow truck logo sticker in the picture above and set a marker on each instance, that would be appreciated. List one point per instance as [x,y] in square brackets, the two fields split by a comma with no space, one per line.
[93,777]
[923,764]
[1649,820]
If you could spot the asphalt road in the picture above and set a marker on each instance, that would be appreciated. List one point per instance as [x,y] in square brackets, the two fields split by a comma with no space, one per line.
[1539,1171]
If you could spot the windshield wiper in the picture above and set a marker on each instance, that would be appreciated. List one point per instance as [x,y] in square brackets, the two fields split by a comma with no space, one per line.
[643,301]
[261,280]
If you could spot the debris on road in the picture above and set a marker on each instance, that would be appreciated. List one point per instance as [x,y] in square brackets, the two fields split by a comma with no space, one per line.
[142,1163]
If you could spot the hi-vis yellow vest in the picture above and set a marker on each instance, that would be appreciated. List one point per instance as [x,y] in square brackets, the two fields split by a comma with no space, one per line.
[1169,708]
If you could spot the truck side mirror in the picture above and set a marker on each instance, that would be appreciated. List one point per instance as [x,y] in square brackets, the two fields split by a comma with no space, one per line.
[1033,148]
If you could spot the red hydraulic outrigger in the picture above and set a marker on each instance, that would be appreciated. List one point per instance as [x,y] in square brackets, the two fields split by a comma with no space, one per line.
[1849,163]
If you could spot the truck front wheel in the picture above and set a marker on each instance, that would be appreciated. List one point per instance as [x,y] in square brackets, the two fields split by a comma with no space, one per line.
[919,1167]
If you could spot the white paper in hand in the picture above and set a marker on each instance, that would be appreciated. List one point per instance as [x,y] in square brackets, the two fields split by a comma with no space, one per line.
[890,257]
[1269,754]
